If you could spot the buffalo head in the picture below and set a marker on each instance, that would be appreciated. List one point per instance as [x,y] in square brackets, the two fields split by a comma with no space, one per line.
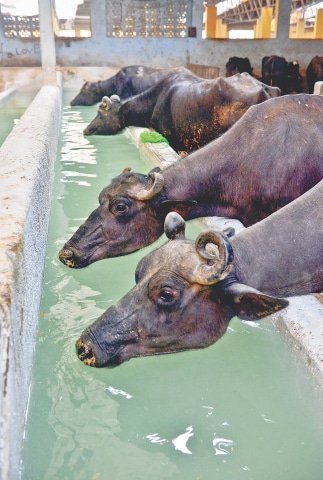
[130,216]
[109,118]
[182,300]
[90,93]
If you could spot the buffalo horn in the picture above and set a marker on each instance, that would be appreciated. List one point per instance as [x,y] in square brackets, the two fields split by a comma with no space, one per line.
[174,226]
[115,99]
[156,188]
[106,102]
[217,257]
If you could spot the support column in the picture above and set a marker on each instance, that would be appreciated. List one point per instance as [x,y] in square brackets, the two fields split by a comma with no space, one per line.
[283,11]
[318,26]
[300,29]
[98,20]
[263,25]
[47,42]
[210,21]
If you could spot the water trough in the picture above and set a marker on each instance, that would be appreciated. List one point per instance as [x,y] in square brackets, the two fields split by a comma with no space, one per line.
[27,160]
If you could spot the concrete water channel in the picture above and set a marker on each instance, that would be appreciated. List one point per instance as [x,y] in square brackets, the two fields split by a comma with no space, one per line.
[27,163]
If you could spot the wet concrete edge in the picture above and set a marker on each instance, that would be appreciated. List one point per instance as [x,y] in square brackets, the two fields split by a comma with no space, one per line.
[27,159]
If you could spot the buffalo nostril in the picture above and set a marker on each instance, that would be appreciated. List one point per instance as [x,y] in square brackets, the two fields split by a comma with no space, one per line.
[85,353]
[89,131]
[66,257]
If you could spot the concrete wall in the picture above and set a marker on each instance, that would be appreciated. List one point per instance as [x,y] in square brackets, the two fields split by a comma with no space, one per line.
[100,50]
[26,170]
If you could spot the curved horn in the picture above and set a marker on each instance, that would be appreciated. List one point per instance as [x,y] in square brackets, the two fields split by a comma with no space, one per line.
[156,187]
[217,254]
[106,102]
[115,99]
[174,226]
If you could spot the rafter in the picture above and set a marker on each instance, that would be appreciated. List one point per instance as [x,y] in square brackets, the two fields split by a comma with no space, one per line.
[248,11]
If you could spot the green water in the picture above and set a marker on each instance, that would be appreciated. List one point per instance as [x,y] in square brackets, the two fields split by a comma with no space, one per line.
[11,111]
[244,408]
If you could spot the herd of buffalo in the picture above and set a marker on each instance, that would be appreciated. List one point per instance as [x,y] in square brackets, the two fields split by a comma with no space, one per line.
[253,152]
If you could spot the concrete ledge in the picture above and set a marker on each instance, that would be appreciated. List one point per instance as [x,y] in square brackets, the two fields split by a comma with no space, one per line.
[6,95]
[318,88]
[302,326]
[27,160]
[159,154]
[26,79]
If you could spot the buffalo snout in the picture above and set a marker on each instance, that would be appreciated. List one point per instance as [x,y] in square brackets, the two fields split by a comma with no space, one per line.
[85,353]
[96,352]
[89,130]
[71,258]
[66,256]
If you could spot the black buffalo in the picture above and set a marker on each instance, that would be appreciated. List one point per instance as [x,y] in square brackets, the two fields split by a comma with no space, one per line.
[276,71]
[186,293]
[126,82]
[238,65]
[271,156]
[187,110]
[314,72]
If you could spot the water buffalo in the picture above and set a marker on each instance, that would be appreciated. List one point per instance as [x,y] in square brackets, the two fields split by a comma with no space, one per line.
[126,82]
[186,293]
[276,71]
[238,65]
[294,78]
[314,72]
[187,110]
[272,155]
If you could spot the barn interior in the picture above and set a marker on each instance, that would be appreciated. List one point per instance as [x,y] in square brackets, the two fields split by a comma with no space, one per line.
[48,49]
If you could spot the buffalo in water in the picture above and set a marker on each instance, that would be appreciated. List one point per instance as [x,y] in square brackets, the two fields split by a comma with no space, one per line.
[126,82]
[271,156]
[187,110]
[186,293]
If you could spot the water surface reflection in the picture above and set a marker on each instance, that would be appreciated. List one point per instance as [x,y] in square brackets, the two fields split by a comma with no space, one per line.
[238,409]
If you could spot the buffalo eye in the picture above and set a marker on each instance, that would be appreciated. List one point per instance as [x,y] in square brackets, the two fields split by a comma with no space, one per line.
[166,295]
[166,290]
[120,208]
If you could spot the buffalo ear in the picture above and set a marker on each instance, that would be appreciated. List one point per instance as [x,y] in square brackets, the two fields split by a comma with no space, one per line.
[250,304]
[229,232]
[156,169]
[182,207]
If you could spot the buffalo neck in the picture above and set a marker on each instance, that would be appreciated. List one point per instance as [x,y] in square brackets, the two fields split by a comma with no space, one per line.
[240,175]
[282,254]
[202,176]
[137,109]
